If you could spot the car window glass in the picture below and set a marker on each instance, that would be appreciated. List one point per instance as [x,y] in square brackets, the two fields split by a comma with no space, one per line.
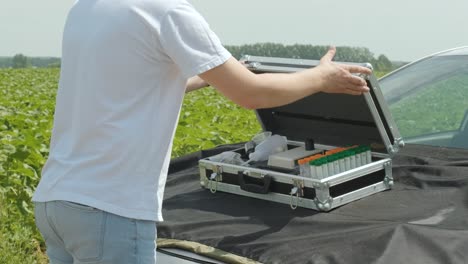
[429,101]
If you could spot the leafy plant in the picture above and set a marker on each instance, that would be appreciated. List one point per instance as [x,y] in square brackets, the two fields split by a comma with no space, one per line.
[207,120]
[27,102]
[27,99]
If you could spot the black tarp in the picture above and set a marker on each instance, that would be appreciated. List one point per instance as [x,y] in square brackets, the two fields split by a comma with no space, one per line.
[423,219]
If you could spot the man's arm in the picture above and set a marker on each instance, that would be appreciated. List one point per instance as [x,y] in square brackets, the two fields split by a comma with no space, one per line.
[254,91]
[195,83]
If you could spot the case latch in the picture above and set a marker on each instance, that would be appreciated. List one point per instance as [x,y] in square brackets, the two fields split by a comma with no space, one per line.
[214,178]
[296,193]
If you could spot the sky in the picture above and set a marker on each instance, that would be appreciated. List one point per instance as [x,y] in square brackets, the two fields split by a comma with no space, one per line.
[400,29]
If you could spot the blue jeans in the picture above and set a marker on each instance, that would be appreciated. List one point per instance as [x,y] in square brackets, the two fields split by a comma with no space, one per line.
[76,233]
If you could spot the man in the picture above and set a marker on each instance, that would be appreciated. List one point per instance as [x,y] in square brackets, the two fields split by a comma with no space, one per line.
[125,68]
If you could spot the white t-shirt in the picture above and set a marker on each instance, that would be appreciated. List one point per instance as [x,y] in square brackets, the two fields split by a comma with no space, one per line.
[125,64]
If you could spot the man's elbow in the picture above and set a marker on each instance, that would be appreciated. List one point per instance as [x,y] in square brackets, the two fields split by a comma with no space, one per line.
[251,103]
[250,106]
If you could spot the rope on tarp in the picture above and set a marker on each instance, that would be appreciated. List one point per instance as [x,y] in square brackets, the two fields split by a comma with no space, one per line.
[204,250]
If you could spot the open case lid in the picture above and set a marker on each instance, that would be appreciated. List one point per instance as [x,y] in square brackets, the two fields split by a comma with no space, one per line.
[329,119]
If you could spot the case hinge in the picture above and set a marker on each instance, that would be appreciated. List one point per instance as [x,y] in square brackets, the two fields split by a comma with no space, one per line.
[393,149]
[253,65]
[399,142]
[388,180]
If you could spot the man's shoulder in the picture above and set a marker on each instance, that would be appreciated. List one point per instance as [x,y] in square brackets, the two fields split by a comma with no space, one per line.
[161,6]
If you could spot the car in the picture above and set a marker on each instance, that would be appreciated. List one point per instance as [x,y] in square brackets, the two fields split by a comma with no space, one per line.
[423,220]
[429,99]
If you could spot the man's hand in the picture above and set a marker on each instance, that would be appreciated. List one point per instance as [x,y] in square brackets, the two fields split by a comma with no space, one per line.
[267,90]
[339,78]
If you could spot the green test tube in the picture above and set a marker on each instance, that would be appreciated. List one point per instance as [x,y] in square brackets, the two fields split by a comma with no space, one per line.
[347,160]
[324,167]
[330,166]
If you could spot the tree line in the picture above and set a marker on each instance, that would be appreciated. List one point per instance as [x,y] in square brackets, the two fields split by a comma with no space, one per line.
[22,61]
[311,52]
[298,51]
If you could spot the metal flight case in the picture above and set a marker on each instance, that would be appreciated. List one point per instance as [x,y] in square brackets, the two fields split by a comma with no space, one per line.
[331,122]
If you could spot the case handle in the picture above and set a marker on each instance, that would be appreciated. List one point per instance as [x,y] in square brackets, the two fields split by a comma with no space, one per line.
[252,187]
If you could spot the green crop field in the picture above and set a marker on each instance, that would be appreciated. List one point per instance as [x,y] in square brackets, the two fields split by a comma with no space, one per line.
[26,110]
[27,99]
